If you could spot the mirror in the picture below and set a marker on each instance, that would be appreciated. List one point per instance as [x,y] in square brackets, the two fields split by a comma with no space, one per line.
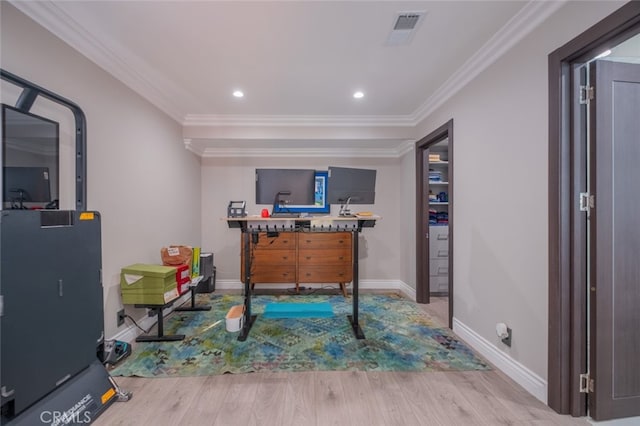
[30,160]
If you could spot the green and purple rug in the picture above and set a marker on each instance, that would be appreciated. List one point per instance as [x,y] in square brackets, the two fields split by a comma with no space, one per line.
[399,337]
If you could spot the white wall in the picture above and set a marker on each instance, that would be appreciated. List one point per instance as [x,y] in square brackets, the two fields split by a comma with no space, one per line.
[407,219]
[140,178]
[225,179]
[500,193]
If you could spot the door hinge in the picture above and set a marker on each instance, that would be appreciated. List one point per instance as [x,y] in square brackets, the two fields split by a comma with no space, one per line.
[1,305]
[587,201]
[587,94]
[587,384]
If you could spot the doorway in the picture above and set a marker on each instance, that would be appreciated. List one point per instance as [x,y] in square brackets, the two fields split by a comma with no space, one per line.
[592,361]
[434,219]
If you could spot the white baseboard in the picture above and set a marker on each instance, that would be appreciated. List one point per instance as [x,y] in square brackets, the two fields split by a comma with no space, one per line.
[526,378]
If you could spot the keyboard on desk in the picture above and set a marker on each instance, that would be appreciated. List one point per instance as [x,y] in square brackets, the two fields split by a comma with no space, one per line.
[284,215]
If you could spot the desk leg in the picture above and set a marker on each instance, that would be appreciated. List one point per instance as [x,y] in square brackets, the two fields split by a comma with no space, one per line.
[160,337]
[248,318]
[353,318]
[193,306]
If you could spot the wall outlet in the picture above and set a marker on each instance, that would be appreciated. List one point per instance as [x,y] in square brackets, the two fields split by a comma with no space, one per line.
[507,340]
[120,317]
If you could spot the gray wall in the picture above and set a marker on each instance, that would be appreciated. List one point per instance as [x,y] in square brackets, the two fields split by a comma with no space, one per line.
[500,188]
[140,177]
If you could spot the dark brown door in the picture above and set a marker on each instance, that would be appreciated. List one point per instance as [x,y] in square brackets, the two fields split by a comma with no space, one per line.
[615,240]
[423,285]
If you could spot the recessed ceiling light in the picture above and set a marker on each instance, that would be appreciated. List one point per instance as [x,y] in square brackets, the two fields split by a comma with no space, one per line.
[358,95]
[238,93]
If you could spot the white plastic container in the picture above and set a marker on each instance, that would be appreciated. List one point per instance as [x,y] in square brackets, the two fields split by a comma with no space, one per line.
[235,318]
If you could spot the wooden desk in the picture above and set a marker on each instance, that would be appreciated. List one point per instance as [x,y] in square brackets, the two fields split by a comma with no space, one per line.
[303,248]
[300,257]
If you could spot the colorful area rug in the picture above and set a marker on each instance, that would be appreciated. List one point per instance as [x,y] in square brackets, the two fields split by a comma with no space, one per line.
[399,337]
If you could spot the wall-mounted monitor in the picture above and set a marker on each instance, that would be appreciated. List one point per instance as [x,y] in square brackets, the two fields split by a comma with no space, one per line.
[30,160]
[284,187]
[351,186]
[320,203]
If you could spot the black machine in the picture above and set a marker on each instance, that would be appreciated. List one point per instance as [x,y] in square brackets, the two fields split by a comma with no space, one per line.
[51,296]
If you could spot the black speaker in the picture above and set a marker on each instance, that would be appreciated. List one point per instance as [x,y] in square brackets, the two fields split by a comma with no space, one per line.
[208,272]
[206,265]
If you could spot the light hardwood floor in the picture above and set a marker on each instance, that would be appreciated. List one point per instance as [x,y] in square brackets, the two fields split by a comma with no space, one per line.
[333,398]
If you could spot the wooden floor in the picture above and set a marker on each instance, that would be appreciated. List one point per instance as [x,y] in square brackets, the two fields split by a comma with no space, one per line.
[333,398]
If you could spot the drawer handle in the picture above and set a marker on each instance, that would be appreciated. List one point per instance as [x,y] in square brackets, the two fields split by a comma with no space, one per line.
[308,274]
[308,241]
[285,241]
[341,241]
[341,258]
[285,274]
[443,253]
[443,270]
[341,274]
[308,257]
[443,237]
[285,257]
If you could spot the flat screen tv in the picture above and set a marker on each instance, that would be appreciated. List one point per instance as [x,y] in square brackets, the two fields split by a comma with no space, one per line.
[351,186]
[283,187]
[30,160]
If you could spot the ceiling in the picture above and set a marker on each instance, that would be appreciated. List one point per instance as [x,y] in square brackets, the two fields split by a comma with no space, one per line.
[297,62]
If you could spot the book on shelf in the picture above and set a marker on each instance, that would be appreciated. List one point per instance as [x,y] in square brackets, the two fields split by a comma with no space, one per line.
[195,264]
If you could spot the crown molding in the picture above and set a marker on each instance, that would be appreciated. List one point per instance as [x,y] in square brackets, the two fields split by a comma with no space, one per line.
[347,152]
[526,20]
[141,78]
[53,18]
[298,120]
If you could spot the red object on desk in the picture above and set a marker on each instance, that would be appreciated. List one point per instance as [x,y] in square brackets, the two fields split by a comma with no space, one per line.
[265,213]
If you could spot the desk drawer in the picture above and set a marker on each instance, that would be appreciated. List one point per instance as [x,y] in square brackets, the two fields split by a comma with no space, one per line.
[339,256]
[438,252]
[273,274]
[439,233]
[284,240]
[438,242]
[439,284]
[438,267]
[274,257]
[324,274]
[324,240]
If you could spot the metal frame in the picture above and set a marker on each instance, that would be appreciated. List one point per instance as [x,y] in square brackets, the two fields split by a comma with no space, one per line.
[24,103]
[250,318]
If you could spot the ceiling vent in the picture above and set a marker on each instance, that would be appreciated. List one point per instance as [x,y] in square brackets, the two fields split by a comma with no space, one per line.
[404,27]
